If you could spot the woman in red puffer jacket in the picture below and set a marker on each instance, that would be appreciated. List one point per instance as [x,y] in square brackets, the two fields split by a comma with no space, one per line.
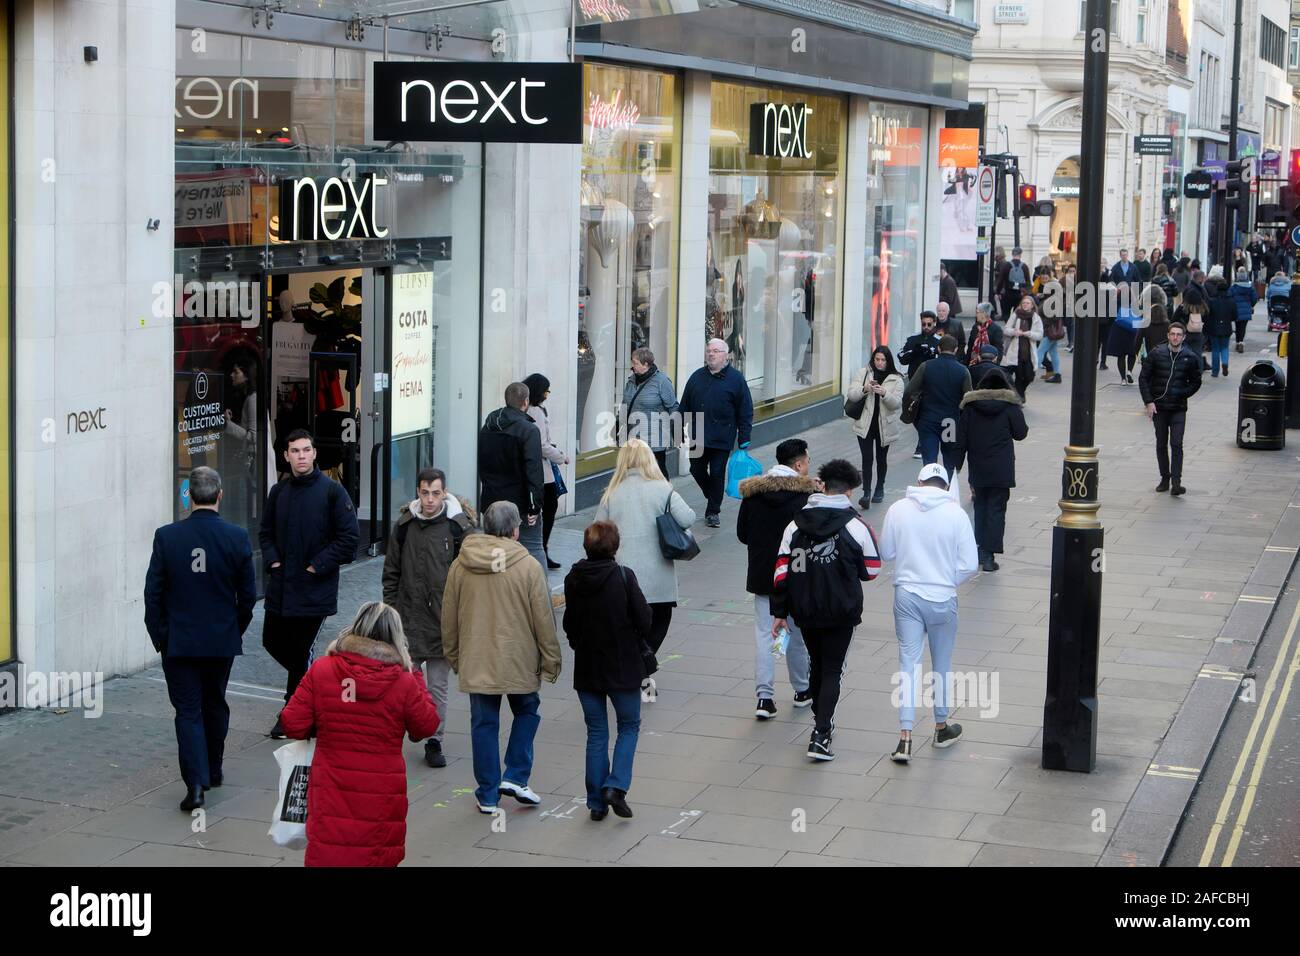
[358,701]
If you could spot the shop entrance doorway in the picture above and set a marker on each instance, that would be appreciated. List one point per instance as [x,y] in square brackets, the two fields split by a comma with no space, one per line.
[1065,220]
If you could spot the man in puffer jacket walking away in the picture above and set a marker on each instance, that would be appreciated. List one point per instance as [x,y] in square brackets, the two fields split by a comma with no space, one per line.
[1244,296]
[1170,376]
[825,554]
[768,504]
[510,466]
[498,634]
[991,423]
[929,538]
[425,543]
[309,530]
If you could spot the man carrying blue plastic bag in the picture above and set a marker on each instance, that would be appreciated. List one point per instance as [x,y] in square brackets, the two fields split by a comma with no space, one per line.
[717,403]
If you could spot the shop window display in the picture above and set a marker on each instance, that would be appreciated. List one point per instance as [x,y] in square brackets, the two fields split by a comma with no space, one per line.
[775,221]
[626,243]
[896,183]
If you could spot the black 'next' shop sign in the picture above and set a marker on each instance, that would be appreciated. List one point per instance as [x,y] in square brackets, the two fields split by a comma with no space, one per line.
[478,102]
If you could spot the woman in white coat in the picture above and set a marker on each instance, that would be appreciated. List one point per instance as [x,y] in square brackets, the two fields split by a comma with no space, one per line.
[637,495]
[1020,337]
[880,423]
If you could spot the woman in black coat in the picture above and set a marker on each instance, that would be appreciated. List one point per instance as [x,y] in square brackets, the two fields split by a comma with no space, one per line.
[607,621]
[991,422]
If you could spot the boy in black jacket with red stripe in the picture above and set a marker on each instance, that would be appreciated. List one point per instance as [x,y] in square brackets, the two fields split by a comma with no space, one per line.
[825,554]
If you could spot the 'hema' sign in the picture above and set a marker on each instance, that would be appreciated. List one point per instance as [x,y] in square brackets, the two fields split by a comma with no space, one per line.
[334,208]
[779,129]
[478,102]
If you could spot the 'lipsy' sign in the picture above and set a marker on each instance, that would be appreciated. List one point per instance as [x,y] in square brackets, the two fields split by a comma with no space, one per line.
[478,102]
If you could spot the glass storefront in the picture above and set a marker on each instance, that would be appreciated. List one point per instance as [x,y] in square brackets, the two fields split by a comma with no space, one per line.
[1171,192]
[279,326]
[898,146]
[627,241]
[6,436]
[775,226]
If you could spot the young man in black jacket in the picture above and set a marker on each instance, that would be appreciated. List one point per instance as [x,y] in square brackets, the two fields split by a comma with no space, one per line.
[1171,374]
[510,466]
[309,530]
[825,554]
[426,540]
[768,504]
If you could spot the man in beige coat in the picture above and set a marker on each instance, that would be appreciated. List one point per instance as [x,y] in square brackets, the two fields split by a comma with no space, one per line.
[498,634]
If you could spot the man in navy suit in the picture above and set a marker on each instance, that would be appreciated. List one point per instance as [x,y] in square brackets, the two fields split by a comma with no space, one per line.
[1124,271]
[198,600]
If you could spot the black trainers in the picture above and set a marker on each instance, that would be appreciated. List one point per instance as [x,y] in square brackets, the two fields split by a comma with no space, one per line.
[277,732]
[864,502]
[433,754]
[713,521]
[819,748]
[947,735]
[879,494]
[766,709]
[1163,486]
[1177,489]
[903,752]
[803,698]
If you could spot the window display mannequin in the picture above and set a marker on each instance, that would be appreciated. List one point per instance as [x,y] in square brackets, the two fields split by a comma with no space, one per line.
[607,242]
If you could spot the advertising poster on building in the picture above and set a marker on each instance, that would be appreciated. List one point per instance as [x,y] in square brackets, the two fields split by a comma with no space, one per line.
[958,168]
[412,351]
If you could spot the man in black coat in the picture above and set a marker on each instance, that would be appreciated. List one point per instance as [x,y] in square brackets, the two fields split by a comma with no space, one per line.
[768,504]
[991,422]
[947,323]
[923,346]
[309,530]
[510,466]
[948,291]
[1124,271]
[1012,282]
[940,385]
[989,361]
[1171,374]
[198,599]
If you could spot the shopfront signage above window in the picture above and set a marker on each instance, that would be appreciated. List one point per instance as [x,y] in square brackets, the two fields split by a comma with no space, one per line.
[1198,184]
[478,102]
[779,129]
[330,209]
[1153,145]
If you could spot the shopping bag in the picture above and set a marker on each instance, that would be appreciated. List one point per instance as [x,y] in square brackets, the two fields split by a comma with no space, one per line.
[740,465]
[289,822]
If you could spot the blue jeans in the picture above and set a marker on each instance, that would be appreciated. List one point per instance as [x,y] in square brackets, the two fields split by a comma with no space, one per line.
[531,538]
[932,445]
[485,733]
[1047,349]
[1219,353]
[914,620]
[627,713]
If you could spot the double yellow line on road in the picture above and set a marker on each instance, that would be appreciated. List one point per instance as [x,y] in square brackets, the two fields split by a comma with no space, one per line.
[1273,715]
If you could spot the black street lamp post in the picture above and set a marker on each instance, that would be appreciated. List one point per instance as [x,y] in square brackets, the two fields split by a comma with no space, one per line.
[1078,561]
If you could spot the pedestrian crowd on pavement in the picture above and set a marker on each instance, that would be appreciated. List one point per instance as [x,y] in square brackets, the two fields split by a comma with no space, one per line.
[465,578]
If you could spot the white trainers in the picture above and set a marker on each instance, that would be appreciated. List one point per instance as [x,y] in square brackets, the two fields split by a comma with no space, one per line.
[485,808]
[522,794]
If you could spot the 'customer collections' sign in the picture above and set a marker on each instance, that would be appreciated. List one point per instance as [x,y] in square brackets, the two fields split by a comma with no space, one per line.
[478,102]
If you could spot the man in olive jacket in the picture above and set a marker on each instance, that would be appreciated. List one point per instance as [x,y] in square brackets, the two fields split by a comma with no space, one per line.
[425,543]
[498,634]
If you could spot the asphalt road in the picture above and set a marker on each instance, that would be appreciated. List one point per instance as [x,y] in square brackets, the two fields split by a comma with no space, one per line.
[1246,810]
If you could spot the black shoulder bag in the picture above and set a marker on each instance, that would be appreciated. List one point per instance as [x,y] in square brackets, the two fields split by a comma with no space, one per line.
[675,542]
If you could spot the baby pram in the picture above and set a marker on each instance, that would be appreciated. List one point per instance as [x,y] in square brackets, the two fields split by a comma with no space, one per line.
[1279,312]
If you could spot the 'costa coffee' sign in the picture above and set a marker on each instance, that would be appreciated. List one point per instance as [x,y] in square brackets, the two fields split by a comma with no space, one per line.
[779,129]
[334,208]
[478,102]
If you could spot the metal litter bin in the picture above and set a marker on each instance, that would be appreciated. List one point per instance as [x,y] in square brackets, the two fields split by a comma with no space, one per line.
[1261,408]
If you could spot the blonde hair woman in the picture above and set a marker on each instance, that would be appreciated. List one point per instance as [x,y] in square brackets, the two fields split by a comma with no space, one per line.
[359,701]
[636,496]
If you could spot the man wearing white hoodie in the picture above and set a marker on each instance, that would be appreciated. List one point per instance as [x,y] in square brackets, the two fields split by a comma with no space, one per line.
[929,538]
[425,542]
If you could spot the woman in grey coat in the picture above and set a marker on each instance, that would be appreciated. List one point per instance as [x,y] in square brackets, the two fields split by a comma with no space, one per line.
[637,495]
[649,406]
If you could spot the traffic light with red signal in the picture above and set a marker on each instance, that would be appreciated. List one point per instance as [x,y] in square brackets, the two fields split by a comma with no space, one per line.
[1030,205]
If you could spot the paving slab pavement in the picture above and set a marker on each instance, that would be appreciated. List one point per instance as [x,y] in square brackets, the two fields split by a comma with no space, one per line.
[714,787]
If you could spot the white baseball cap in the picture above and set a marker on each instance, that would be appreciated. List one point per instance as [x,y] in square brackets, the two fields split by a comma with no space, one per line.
[932,470]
